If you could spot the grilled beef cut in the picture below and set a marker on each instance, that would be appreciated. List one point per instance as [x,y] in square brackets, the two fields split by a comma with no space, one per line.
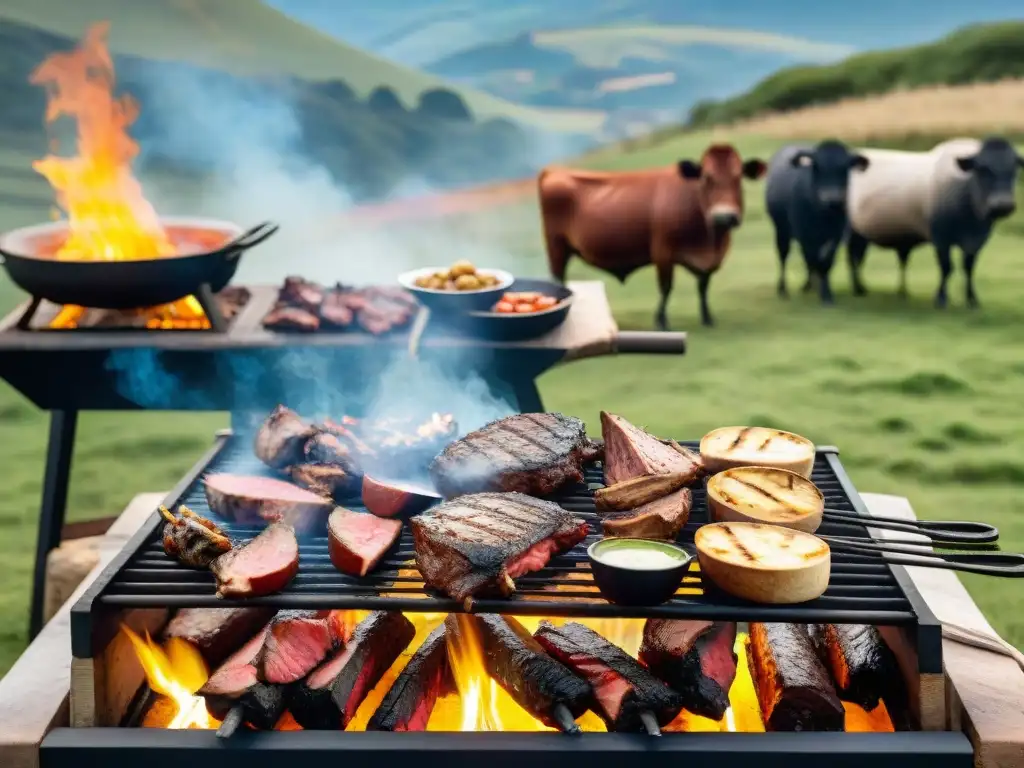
[662,518]
[631,452]
[477,544]
[327,448]
[532,453]
[327,480]
[409,702]
[254,499]
[285,318]
[297,641]
[630,494]
[260,567]
[217,632]
[544,687]
[357,541]
[235,683]
[793,689]
[862,666]
[329,697]
[696,658]
[623,689]
[281,438]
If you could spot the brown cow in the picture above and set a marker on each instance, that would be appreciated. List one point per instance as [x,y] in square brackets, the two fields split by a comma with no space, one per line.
[619,222]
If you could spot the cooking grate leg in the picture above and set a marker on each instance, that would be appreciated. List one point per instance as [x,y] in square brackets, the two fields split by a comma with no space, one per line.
[54,505]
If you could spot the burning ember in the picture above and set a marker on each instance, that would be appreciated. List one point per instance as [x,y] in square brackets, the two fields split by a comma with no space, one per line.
[176,672]
[109,218]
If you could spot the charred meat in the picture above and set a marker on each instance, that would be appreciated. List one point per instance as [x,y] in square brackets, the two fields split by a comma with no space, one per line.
[304,305]
[696,658]
[262,566]
[329,697]
[631,452]
[357,541]
[532,453]
[285,318]
[235,683]
[662,518]
[477,544]
[217,632]
[326,448]
[299,292]
[192,540]
[255,499]
[297,641]
[282,437]
[623,690]
[793,689]
[862,665]
[409,702]
[327,480]
[542,686]
[633,493]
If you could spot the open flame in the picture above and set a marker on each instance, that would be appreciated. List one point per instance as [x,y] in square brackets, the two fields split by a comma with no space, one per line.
[109,218]
[176,671]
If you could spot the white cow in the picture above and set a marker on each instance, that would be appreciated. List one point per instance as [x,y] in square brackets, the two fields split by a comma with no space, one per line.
[950,196]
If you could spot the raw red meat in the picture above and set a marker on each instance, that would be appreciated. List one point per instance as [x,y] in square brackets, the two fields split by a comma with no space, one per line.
[357,541]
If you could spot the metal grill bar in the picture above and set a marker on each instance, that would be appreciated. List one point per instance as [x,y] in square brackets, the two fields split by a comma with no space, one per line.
[862,589]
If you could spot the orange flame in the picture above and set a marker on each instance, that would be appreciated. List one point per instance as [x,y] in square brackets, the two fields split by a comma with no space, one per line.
[175,671]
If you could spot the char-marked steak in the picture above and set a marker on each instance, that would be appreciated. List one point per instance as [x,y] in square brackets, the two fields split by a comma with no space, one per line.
[623,690]
[410,700]
[297,641]
[217,632]
[532,453]
[631,452]
[696,658]
[329,697]
[477,544]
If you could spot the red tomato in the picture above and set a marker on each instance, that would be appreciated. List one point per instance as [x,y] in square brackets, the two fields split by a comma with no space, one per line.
[511,297]
[546,302]
[524,308]
[528,297]
[504,306]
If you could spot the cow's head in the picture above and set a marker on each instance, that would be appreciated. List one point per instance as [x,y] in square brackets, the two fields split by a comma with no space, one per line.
[719,174]
[993,174]
[829,165]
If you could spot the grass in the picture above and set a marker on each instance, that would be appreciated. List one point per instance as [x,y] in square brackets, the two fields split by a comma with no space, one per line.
[247,37]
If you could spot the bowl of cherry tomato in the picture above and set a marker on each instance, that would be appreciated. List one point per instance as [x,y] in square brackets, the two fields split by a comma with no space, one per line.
[525,310]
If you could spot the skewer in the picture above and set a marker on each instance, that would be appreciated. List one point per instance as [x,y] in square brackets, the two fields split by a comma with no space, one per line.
[650,723]
[231,722]
[564,718]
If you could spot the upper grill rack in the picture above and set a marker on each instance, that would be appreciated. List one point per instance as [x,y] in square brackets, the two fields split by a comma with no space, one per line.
[863,588]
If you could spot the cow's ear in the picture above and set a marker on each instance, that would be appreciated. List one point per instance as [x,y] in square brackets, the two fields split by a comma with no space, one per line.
[965,164]
[801,159]
[754,169]
[859,163]
[689,169]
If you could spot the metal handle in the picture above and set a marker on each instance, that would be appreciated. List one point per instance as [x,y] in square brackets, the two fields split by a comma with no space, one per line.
[651,343]
[248,239]
[1004,564]
[960,531]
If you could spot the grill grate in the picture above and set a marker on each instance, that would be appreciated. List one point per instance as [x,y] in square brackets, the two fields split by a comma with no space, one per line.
[863,588]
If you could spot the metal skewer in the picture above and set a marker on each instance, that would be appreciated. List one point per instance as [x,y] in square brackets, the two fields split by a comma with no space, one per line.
[231,723]
[650,723]
[561,715]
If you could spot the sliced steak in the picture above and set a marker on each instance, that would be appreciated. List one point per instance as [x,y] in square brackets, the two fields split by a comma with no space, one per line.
[297,641]
[631,452]
[544,687]
[327,480]
[286,318]
[696,658]
[336,311]
[327,448]
[663,518]
[409,702]
[356,541]
[300,292]
[532,453]
[262,703]
[623,690]
[217,632]
[262,566]
[329,697]
[255,499]
[477,544]
[281,438]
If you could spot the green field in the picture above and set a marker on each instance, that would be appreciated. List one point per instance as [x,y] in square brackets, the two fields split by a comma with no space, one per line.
[920,402]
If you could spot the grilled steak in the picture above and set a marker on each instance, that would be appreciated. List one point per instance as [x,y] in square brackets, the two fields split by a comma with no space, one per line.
[544,687]
[336,310]
[793,689]
[285,318]
[660,519]
[217,632]
[300,292]
[623,690]
[532,453]
[477,544]
[327,448]
[409,702]
[863,668]
[191,539]
[281,438]
[235,682]
[696,658]
[327,480]
[356,541]
[329,697]
[297,641]
[254,499]
[261,567]
[631,452]
[630,494]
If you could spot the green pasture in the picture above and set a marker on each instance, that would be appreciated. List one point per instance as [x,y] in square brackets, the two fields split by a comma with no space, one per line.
[920,402]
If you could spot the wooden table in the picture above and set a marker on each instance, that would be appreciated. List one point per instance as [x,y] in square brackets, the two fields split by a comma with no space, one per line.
[984,682]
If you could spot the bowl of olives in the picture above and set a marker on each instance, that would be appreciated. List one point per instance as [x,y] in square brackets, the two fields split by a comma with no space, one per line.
[460,287]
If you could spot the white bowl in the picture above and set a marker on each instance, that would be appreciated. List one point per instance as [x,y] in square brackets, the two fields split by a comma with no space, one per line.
[456,301]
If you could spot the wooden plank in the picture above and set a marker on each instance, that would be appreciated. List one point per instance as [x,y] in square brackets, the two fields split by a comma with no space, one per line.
[985,691]
[34,694]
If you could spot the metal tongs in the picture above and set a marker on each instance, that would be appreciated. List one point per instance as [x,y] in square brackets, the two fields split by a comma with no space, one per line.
[955,533]
[1005,564]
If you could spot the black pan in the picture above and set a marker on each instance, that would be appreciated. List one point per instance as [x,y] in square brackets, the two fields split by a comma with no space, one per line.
[494,326]
[209,255]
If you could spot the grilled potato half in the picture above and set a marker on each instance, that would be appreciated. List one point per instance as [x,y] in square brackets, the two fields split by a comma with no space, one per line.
[764,563]
[729,447]
[765,495]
